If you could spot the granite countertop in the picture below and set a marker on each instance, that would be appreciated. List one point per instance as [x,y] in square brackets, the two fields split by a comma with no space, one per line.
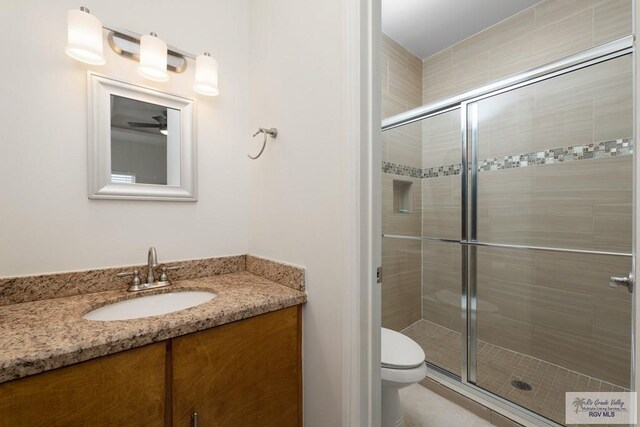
[42,335]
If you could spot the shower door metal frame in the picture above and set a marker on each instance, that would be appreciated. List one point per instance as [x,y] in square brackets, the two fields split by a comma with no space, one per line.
[472,200]
[467,102]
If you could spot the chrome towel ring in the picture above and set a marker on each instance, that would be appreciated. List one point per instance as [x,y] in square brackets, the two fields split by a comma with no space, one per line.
[273,132]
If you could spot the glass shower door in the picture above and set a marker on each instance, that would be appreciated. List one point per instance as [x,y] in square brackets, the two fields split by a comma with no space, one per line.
[551,193]
[441,329]
[421,252]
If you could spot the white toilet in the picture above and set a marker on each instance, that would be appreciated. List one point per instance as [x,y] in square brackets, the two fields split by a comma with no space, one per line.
[402,365]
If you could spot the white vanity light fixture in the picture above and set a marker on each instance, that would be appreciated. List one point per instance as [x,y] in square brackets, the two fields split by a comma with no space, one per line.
[206,81]
[153,58]
[84,37]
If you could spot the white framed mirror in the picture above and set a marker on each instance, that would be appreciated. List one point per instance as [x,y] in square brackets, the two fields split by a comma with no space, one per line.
[141,142]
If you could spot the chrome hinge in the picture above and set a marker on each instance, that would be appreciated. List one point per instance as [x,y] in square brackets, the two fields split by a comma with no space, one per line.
[379,275]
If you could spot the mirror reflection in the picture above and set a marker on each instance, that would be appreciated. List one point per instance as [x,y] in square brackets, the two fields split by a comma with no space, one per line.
[145,143]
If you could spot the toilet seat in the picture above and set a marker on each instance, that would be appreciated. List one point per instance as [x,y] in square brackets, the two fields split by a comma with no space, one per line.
[400,351]
[396,377]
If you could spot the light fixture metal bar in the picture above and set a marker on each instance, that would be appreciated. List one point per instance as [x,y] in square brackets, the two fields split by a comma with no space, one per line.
[176,63]
[133,35]
[130,49]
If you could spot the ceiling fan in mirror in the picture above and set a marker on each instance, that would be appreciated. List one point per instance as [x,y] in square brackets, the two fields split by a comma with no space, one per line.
[161,124]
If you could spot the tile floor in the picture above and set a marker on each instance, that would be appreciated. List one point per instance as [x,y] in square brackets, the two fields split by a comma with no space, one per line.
[424,408]
[498,367]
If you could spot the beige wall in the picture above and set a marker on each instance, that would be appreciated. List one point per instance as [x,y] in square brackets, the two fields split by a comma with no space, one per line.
[299,193]
[557,307]
[48,223]
[401,263]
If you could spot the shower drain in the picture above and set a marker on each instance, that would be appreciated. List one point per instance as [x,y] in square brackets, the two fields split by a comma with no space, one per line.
[521,385]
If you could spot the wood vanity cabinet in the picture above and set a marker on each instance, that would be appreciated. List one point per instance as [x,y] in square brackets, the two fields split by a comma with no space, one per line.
[245,373]
[122,389]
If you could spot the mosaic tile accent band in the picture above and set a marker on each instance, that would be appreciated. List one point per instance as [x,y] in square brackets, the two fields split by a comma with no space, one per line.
[598,150]
[398,169]
[618,147]
[438,171]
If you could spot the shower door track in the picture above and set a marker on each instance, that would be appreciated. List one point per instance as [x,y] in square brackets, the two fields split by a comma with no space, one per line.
[465,384]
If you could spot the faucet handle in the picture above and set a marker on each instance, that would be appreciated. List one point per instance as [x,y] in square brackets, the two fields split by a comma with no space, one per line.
[134,273]
[164,269]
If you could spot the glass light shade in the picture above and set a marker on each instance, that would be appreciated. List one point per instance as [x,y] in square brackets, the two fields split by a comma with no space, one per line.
[153,59]
[206,82]
[84,37]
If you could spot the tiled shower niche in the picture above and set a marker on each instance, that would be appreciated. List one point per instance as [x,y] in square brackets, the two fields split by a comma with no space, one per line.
[402,196]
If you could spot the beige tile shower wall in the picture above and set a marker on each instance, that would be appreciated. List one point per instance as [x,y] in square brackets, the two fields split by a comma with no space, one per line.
[593,104]
[583,204]
[557,307]
[441,195]
[403,145]
[401,78]
[442,135]
[441,210]
[401,259]
[441,281]
[546,32]
[401,91]
[401,293]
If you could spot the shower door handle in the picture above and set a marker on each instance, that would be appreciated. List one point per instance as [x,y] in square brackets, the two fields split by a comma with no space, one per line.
[627,281]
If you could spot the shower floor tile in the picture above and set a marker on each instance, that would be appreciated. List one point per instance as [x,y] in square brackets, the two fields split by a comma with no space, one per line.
[498,367]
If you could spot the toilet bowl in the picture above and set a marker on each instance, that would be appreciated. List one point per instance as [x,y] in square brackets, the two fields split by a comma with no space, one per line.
[402,365]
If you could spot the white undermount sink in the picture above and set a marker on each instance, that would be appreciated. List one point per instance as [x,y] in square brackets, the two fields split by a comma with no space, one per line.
[150,305]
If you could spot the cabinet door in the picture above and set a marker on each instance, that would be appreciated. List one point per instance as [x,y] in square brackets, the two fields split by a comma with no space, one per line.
[122,389]
[246,373]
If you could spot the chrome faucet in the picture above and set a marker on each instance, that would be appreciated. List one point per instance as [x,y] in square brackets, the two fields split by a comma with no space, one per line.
[152,262]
